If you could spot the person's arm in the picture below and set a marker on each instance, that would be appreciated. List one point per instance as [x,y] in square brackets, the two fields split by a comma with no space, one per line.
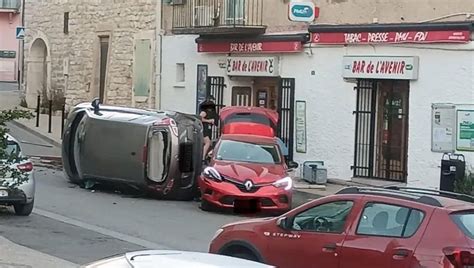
[203,118]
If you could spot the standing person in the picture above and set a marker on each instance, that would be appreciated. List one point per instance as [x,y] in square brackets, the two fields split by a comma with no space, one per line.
[208,118]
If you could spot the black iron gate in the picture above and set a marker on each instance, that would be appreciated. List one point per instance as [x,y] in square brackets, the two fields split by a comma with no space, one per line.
[381,134]
[286,108]
[215,87]
[365,119]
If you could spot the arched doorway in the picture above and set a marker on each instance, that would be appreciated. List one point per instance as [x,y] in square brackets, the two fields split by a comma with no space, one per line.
[37,72]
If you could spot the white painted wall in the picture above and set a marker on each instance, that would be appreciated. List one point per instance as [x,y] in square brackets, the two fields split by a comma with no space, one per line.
[446,74]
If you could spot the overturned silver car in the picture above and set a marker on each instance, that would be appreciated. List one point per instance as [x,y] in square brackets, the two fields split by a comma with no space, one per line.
[157,151]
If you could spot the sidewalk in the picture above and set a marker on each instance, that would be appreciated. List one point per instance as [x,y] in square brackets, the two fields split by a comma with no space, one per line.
[10,99]
[13,255]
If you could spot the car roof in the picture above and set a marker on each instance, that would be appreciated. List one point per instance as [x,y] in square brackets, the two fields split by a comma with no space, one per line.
[250,138]
[431,197]
[10,138]
[176,258]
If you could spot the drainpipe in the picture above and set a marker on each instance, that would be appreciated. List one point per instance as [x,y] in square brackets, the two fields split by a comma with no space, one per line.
[158,53]
[22,49]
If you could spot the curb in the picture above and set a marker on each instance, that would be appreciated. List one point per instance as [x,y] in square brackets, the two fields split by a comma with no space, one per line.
[36,133]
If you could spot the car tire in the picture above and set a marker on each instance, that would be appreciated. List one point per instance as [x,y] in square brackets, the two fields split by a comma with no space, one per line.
[24,209]
[205,205]
[243,255]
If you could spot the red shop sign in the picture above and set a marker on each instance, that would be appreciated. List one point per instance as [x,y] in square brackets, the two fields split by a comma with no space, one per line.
[420,37]
[250,47]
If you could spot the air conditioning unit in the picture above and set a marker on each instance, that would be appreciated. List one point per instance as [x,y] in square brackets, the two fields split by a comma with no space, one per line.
[203,16]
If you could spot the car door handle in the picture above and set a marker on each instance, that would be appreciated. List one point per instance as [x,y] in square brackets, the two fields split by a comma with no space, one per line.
[331,247]
[401,253]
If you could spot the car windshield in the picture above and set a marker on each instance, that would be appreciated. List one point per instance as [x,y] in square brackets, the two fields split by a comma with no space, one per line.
[248,152]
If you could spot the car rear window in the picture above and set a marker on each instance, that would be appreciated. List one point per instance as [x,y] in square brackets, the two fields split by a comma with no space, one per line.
[465,221]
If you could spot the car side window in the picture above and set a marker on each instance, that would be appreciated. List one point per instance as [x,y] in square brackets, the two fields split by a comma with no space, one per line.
[389,220]
[325,218]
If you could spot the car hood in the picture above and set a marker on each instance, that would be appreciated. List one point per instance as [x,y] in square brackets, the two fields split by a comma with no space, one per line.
[258,173]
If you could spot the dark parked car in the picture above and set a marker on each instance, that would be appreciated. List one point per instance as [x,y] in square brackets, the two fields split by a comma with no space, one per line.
[158,151]
[361,227]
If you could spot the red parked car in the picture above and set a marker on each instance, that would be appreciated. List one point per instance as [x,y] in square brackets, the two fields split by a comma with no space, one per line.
[361,227]
[247,171]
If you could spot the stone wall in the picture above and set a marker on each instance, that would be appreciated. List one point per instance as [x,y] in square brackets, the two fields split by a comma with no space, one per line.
[121,20]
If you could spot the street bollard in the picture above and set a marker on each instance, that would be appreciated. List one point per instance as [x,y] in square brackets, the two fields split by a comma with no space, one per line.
[38,101]
[63,113]
[50,115]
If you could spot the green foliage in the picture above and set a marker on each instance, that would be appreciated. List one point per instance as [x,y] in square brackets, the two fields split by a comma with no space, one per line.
[9,157]
[466,185]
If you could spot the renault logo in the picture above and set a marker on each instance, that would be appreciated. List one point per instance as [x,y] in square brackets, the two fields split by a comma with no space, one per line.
[248,185]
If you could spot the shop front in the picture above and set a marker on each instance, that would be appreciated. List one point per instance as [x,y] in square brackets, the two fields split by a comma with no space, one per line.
[247,72]
[396,73]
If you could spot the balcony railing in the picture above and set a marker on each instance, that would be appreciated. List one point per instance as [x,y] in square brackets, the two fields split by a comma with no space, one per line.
[218,16]
[10,5]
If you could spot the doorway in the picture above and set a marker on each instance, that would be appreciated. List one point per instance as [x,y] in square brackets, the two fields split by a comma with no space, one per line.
[241,96]
[381,138]
[266,93]
[104,51]
[37,69]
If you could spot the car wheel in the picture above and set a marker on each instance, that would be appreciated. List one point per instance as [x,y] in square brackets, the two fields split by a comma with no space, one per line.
[205,205]
[243,254]
[24,209]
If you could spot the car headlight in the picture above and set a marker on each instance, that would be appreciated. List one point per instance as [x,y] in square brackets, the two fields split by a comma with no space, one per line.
[212,173]
[286,183]
[218,232]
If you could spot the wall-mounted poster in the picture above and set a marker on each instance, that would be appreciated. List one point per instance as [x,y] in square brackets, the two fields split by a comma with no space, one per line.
[465,126]
[201,85]
[443,127]
[300,126]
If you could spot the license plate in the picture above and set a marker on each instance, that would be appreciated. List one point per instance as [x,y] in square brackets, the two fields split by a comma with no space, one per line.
[246,206]
[3,193]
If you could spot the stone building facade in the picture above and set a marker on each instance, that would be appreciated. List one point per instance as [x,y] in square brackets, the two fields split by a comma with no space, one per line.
[81,49]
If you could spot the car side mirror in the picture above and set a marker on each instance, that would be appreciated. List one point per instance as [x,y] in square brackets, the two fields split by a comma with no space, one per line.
[95,104]
[283,223]
[292,165]
[209,155]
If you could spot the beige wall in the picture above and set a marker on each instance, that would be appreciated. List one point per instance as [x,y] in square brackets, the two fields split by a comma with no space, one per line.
[120,19]
[359,11]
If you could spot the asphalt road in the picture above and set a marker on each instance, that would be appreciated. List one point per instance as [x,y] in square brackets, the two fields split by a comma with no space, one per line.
[81,225]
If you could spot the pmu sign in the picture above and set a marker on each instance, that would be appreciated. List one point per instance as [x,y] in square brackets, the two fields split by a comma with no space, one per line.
[302,11]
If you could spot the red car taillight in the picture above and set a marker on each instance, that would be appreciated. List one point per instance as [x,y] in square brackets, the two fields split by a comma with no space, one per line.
[168,122]
[26,167]
[459,257]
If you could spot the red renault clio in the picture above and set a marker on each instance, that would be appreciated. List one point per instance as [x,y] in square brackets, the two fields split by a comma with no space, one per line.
[247,172]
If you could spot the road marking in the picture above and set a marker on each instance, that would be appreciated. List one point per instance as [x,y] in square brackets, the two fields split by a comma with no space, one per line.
[97,229]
